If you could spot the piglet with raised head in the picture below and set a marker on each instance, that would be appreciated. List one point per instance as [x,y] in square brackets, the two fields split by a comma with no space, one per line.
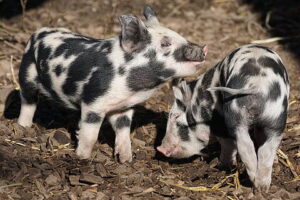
[243,101]
[104,77]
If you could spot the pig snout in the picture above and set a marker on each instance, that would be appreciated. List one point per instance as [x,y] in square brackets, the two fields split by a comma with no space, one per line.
[196,53]
[169,150]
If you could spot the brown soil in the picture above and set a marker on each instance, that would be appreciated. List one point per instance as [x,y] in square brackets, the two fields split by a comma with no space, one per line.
[40,163]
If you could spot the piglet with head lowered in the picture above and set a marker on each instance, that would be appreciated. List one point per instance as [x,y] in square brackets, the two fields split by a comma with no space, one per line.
[242,101]
[104,77]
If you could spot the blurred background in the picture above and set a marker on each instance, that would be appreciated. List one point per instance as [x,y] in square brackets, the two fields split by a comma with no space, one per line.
[43,168]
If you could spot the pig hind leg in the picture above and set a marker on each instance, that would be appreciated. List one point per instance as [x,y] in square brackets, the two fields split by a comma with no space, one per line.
[87,135]
[246,150]
[266,154]
[29,89]
[121,123]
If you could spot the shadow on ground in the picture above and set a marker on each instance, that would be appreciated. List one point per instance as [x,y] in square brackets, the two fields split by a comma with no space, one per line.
[281,19]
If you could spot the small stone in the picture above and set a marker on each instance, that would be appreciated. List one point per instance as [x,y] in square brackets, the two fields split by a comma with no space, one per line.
[87,194]
[101,170]
[74,180]
[101,196]
[52,180]
[61,137]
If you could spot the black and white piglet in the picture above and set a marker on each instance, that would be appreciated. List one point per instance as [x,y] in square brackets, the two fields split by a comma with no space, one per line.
[243,101]
[104,77]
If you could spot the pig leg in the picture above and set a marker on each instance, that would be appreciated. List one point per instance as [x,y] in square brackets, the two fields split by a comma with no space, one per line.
[228,152]
[29,91]
[121,123]
[246,150]
[87,136]
[266,154]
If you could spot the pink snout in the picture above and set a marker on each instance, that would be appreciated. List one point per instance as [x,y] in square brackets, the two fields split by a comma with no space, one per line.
[169,151]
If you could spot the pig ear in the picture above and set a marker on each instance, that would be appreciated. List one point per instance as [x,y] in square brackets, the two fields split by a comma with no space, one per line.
[176,81]
[150,15]
[177,93]
[134,34]
[186,91]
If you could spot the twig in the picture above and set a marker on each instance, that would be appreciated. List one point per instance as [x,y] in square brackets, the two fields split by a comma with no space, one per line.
[197,189]
[267,21]
[287,163]
[11,185]
[13,46]
[274,39]
[23,5]
[181,4]
[13,73]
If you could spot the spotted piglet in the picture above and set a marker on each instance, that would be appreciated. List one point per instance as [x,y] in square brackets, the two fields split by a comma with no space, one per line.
[104,77]
[243,101]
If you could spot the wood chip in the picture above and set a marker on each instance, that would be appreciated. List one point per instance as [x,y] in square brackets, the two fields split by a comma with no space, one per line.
[90,178]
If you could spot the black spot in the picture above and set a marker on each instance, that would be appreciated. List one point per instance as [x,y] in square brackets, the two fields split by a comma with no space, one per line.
[43,34]
[190,119]
[77,45]
[122,122]
[221,68]
[195,108]
[183,132]
[128,57]
[274,125]
[82,67]
[58,70]
[262,47]
[205,114]
[180,105]
[245,52]
[151,54]
[43,68]
[277,68]
[250,68]
[207,78]
[208,97]
[28,87]
[121,70]
[167,53]
[237,81]
[184,53]
[148,76]
[106,47]
[285,102]
[92,117]
[231,55]
[192,84]
[98,83]
[274,91]
[202,95]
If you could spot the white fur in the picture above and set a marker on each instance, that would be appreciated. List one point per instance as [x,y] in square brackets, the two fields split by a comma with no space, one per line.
[26,114]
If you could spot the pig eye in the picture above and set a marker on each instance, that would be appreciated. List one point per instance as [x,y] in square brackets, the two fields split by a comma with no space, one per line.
[165,44]
[181,125]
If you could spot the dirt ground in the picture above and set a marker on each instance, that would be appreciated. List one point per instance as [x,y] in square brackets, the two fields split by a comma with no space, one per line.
[40,163]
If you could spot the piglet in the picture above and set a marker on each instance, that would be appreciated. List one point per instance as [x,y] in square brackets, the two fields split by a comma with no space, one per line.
[243,101]
[104,77]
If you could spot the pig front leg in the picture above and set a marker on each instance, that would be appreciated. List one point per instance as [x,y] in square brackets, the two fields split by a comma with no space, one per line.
[121,123]
[266,154]
[87,136]
[228,152]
